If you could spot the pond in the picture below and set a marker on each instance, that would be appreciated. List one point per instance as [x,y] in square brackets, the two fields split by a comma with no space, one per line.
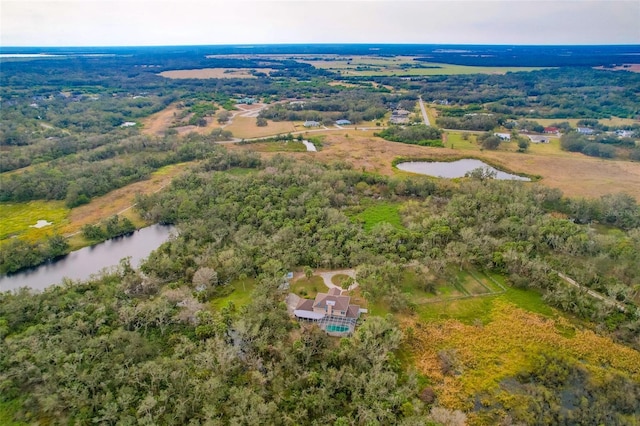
[81,264]
[454,169]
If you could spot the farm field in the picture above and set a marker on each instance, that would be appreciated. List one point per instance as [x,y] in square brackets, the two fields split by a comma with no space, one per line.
[213,73]
[365,66]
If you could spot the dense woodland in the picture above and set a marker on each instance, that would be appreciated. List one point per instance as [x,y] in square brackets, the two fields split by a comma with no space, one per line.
[157,355]
[148,346]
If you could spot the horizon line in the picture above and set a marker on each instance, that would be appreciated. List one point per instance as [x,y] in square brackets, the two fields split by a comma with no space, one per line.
[318,44]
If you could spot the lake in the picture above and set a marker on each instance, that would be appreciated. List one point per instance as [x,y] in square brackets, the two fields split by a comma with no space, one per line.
[454,169]
[81,264]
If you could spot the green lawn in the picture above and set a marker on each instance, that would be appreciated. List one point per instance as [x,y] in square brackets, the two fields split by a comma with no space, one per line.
[308,288]
[238,292]
[338,279]
[378,213]
[18,218]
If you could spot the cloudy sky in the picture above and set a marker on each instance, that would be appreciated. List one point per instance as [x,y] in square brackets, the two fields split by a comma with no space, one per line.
[186,22]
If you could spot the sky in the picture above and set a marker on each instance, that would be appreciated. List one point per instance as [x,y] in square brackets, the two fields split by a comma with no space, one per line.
[207,22]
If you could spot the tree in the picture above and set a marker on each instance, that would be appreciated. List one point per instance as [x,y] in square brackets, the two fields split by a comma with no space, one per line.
[523,144]
[224,117]
[489,141]
[261,122]
[308,272]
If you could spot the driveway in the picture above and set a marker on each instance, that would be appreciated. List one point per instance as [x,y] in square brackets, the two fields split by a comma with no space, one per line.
[326,277]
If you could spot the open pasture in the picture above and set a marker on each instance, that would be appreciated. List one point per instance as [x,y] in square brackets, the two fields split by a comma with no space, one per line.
[354,66]
[204,73]
[245,127]
[21,219]
[576,175]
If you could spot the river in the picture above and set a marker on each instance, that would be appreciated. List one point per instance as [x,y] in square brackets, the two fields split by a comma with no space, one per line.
[81,264]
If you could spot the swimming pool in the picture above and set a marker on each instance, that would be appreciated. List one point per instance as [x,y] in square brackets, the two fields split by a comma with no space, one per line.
[337,328]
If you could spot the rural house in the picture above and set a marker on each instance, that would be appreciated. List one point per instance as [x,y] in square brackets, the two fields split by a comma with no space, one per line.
[311,123]
[331,311]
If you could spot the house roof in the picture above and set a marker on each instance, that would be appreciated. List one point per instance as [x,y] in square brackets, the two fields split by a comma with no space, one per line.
[305,305]
[300,313]
[353,311]
[341,303]
[335,291]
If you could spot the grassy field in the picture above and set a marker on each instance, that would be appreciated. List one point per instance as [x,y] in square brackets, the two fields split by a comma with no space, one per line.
[577,175]
[401,66]
[279,147]
[507,342]
[378,213]
[18,219]
[239,292]
[338,279]
[213,73]
[613,121]
[245,127]
[308,287]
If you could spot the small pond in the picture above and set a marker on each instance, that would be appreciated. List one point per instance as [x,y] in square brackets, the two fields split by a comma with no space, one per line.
[81,264]
[454,169]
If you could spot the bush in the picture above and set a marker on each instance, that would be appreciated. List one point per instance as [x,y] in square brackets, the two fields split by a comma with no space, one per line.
[415,135]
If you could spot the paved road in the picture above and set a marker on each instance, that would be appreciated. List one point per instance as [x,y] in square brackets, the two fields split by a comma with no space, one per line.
[424,112]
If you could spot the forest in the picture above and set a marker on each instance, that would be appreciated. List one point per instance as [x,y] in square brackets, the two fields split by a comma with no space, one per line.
[159,355]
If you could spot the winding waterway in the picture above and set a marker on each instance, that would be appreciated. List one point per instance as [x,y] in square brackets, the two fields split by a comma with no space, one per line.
[81,264]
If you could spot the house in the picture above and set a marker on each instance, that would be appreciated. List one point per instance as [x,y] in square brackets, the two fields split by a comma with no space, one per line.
[342,122]
[128,124]
[503,136]
[584,130]
[399,116]
[246,101]
[552,130]
[625,133]
[331,311]
[311,123]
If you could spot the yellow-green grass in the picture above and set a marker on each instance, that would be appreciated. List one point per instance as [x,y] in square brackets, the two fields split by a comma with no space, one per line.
[393,66]
[338,279]
[8,411]
[279,147]
[238,292]
[470,309]
[374,214]
[246,128]
[308,287]
[410,286]
[457,141]
[613,121]
[203,73]
[17,219]
[509,342]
